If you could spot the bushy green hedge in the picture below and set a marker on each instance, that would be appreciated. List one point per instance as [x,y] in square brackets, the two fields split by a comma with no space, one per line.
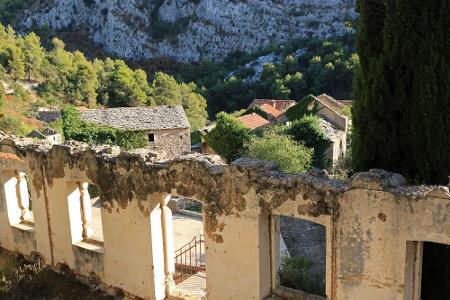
[291,156]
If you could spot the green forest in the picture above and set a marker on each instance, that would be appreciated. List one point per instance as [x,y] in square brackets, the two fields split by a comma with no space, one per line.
[323,67]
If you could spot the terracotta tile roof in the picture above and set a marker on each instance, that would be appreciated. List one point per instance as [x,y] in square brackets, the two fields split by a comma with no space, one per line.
[281,105]
[253,121]
[271,110]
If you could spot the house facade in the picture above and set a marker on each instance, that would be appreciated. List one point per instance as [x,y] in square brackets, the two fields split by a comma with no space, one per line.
[166,127]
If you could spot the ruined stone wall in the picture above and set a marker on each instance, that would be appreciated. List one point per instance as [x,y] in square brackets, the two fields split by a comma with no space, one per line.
[369,221]
[174,142]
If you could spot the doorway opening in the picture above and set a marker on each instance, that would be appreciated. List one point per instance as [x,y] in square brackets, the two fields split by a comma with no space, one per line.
[189,246]
[301,256]
[435,283]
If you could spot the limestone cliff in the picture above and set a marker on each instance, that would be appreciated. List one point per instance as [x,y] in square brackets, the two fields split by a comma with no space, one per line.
[191,30]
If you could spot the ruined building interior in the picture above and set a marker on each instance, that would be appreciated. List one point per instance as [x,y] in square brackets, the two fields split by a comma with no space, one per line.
[370,231]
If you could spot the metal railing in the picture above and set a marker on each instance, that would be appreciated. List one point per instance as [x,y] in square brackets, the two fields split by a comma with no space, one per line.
[190,259]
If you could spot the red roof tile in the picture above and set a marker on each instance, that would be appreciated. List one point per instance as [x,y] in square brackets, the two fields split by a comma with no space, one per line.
[281,105]
[253,121]
[271,110]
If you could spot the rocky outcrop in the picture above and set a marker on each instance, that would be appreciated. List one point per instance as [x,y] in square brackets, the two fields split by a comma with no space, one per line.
[191,30]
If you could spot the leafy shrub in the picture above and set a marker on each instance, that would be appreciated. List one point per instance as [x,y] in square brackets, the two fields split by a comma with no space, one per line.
[342,169]
[295,272]
[228,137]
[291,156]
[347,111]
[13,125]
[308,131]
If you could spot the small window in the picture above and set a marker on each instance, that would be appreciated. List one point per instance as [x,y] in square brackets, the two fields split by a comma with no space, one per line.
[151,137]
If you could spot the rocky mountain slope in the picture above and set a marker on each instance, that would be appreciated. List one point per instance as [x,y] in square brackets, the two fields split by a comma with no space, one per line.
[191,30]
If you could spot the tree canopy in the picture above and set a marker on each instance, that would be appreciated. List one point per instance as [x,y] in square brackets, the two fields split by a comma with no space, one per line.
[308,131]
[228,137]
[291,156]
[401,115]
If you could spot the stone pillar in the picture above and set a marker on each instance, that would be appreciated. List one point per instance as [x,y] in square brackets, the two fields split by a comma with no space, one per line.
[85,209]
[24,198]
[75,210]
[275,246]
[169,251]
[237,256]
[134,249]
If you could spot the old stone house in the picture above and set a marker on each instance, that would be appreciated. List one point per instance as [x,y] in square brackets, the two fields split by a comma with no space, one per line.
[334,123]
[166,127]
[47,134]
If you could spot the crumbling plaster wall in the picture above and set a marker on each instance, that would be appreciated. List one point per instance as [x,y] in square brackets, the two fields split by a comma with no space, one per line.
[368,221]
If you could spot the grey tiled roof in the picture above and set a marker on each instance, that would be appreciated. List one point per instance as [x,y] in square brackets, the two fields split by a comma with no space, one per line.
[138,118]
[330,130]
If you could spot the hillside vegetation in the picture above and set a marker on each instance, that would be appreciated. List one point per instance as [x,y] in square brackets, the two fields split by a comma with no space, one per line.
[69,78]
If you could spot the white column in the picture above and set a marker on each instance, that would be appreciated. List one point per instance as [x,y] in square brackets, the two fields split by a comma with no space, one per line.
[24,197]
[86,209]
[169,256]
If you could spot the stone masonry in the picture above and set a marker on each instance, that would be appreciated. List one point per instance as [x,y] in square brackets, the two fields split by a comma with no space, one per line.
[372,223]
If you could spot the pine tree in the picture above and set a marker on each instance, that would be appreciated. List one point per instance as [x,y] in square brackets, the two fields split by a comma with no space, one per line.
[402,90]
[33,55]
[194,105]
[82,81]
[166,90]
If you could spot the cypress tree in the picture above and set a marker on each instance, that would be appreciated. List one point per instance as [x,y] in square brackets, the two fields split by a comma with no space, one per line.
[402,89]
